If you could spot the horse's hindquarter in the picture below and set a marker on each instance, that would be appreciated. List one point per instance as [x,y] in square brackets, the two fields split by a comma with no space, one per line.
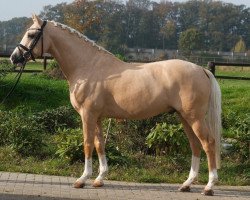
[192,87]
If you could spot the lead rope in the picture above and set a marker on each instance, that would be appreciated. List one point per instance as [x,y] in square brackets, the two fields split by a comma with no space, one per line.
[18,76]
[106,138]
[29,50]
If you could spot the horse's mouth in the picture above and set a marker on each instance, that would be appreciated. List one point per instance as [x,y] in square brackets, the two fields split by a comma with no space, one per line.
[19,64]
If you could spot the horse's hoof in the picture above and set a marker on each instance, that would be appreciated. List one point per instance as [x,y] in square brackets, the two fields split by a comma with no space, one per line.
[184,189]
[78,184]
[98,183]
[208,192]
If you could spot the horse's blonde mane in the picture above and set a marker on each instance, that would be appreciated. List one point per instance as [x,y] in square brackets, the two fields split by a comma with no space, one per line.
[80,35]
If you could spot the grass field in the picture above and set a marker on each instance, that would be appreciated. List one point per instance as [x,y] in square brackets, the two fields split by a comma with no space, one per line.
[36,93]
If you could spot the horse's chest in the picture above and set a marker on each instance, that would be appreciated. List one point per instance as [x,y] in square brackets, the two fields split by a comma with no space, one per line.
[78,94]
[83,95]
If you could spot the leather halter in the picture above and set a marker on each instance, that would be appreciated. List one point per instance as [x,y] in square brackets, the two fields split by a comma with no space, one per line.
[27,54]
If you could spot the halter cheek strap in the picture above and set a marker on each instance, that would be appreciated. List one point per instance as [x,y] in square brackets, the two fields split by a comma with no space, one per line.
[27,54]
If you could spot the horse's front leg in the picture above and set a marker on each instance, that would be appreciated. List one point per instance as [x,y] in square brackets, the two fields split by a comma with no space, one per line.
[89,125]
[100,149]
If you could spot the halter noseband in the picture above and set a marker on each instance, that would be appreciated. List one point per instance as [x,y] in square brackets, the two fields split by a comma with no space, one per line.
[27,54]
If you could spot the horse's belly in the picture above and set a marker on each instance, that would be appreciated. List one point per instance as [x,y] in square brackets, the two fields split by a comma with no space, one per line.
[138,105]
[148,111]
[141,112]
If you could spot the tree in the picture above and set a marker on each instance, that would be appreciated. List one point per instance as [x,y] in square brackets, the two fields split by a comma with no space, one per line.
[168,32]
[167,27]
[147,23]
[55,13]
[240,46]
[113,39]
[190,40]
[12,31]
[83,15]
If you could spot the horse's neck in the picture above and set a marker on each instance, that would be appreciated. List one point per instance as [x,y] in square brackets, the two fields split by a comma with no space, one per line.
[77,57]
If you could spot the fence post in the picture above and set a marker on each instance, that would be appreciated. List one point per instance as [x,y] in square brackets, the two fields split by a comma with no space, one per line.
[44,63]
[211,67]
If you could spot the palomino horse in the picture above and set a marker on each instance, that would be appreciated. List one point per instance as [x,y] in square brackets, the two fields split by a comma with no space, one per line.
[102,86]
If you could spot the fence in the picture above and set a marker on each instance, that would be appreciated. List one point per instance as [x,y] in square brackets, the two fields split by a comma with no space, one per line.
[212,68]
[198,57]
[45,58]
[211,65]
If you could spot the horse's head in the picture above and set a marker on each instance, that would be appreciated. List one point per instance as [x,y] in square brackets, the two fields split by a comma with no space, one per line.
[32,45]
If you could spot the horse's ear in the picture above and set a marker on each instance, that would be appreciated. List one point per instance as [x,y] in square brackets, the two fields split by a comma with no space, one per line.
[36,19]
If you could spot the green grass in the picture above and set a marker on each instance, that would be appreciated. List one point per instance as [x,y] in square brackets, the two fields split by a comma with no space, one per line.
[36,93]
[236,72]
[235,96]
[34,65]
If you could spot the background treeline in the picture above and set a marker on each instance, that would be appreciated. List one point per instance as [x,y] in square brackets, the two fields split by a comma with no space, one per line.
[192,25]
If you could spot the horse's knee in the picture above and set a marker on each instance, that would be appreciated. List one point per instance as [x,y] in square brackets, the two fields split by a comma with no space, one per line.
[88,149]
[99,147]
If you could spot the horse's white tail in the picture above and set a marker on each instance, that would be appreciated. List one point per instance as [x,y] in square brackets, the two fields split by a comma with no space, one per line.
[214,115]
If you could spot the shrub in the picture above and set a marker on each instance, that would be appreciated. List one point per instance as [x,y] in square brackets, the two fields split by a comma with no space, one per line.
[121,57]
[22,133]
[236,127]
[4,127]
[241,132]
[27,139]
[114,155]
[53,64]
[26,134]
[52,119]
[130,135]
[5,67]
[164,139]
[228,119]
[54,70]
[69,144]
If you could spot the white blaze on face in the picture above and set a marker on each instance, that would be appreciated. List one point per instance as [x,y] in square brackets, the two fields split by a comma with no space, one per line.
[17,53]
[14,55]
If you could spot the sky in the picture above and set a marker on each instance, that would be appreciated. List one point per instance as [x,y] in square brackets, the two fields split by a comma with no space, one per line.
[24,8]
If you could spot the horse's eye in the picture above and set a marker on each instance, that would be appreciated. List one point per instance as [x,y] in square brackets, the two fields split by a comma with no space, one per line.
[31,35]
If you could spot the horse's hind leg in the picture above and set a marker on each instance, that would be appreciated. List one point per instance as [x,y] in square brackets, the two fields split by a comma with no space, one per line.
[208,143]
[196,149]
[100,149]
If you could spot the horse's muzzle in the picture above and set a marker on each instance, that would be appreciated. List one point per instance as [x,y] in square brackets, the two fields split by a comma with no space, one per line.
[18,60]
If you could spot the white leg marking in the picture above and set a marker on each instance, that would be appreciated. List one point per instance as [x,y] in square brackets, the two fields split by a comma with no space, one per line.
[87,171]
[193,171]
[213,178]
[103,168]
